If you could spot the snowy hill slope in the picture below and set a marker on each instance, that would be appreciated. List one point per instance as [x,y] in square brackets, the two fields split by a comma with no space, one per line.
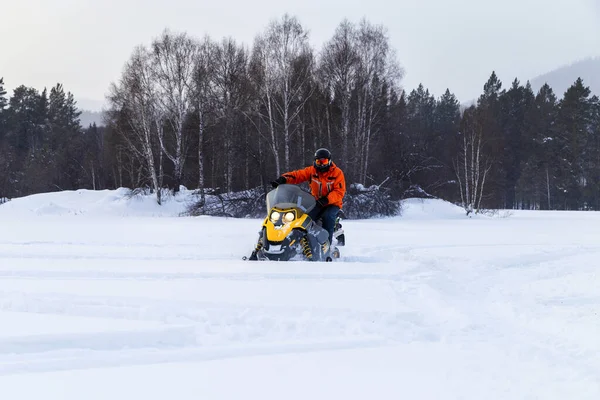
[96,203]
[430,209]
[120,203]
[562,78]
[105,297]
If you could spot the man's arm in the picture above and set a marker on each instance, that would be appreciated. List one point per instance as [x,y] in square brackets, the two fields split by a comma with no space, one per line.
[298,176]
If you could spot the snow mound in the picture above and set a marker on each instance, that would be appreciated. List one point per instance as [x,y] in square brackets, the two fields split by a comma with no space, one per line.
[416,208]
[53,209]
[123,203]
[120,202]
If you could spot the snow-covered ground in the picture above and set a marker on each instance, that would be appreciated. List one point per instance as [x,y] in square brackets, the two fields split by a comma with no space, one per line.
[103,297]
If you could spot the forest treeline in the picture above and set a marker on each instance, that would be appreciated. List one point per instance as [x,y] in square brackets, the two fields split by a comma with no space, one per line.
[220,115]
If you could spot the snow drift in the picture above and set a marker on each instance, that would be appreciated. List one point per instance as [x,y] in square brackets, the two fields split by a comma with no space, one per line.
[122,203]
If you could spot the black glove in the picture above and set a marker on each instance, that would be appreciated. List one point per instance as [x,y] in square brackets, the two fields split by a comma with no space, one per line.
[323,201]
[279,181]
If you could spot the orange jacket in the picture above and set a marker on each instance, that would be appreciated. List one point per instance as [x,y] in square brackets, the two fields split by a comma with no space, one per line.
[330,184]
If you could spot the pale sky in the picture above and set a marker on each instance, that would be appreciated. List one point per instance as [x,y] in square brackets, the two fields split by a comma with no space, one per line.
[453,44]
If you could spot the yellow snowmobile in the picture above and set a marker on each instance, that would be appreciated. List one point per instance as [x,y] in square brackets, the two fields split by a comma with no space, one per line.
[288,233]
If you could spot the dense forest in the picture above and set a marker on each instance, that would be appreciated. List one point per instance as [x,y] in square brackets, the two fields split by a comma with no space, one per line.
[218,115]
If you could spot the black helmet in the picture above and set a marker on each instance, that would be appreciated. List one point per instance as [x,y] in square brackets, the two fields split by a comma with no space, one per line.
[322,160]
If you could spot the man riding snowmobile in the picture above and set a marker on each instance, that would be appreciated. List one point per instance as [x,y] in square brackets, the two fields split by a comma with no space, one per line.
[327,185]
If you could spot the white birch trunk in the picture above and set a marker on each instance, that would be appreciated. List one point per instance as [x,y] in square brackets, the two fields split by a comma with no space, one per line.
[286,125]
[93,176]
[468,204]
[274,146]
[548,186]
[200,151]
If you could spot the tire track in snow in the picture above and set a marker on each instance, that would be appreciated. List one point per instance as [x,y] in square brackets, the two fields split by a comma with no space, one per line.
[231,276]
[205,330]
[217,321]
[90,359]
[164,337]
[142,256]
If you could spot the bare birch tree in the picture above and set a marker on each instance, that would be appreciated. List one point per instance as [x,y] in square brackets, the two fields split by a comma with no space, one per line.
[472,165]
[174,57]
[202,83]
[378,72]
[135,99]
[264,80]
[291,60]
[338,67]
[359,69]
[285,63]
[230,93]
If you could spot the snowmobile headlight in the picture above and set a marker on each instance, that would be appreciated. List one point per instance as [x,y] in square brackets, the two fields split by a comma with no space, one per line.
[289,217]
[275,216]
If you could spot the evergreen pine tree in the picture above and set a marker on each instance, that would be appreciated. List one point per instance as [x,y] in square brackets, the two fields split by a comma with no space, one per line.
[516,103]
[391,148]
[420,109]
[536,186]
[446,126]
[65,139]
[421,164]
[489,118]
[575,119]
[592,161]
[491,92]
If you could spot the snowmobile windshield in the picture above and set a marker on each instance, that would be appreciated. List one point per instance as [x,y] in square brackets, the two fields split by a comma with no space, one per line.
[288,196]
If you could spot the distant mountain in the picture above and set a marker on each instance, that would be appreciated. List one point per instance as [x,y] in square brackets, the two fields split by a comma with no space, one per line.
[88,118]
[91,111]
[562,78]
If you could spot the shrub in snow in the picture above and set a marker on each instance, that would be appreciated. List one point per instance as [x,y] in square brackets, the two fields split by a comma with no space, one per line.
[417,192]
[146,191]
[166,195]
[4,200]
[245,204]
[360,202]
[369,202]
